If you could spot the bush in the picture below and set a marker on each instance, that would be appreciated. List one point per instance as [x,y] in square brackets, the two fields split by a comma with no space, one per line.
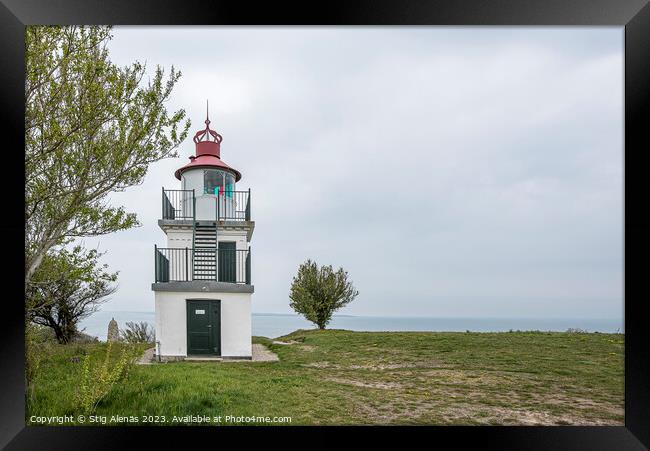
[96,381]
[37,347]
[316,292]
[68,286]
[140,332]
[83,338]
[576,330]
[40,334]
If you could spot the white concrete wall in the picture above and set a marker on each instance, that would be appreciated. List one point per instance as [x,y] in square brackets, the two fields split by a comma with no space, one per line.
[179,238]
[238,236]
[183,237]
[171,322]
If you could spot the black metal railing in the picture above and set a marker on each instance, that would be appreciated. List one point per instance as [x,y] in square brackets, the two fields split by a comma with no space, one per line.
[202,263]
[234,206]
[248,267]
[230,205]
[178,204]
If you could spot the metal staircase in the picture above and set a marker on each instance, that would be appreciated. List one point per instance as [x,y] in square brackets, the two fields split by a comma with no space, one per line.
[205,251]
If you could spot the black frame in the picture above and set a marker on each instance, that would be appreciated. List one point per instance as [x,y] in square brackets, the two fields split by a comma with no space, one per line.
[634,15]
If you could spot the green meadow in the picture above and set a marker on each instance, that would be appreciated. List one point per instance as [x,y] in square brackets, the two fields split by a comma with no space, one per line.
[333,377]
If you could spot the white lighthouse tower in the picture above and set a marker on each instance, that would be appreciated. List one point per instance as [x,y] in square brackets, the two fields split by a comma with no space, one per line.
[202,279]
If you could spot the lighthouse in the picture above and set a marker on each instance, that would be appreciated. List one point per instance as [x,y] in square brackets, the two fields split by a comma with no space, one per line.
[202,284]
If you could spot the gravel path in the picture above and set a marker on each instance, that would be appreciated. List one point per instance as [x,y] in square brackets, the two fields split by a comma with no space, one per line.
[147,357]
[260,354]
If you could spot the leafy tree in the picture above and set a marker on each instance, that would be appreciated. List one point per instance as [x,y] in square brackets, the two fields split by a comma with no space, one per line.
[91,128]
[140,332]
[68,286]
[316,292]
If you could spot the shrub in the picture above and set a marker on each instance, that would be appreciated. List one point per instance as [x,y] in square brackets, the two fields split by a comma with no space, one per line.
[83,338]
[576,330]
[79,350]
[68,286]
[37,347]
[140,332]
[316,292]
[96,381]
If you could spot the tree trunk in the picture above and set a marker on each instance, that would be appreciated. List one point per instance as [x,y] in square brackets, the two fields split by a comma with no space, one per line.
[60,334]
[36,260]
[34,264]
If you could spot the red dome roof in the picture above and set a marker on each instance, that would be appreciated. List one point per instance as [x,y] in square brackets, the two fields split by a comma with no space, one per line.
[207,161]
[208,153]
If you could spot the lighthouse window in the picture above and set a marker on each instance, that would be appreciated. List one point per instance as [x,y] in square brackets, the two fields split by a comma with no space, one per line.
[230,184]
[218,182]
[212,181]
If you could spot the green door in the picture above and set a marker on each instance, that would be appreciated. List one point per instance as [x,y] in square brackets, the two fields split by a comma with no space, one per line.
[227,258]
[203,327]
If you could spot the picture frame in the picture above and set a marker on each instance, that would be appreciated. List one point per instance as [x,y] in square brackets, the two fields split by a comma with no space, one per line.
[633,15]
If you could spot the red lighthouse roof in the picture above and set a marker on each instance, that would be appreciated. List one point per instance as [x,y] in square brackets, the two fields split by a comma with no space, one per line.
[208,152]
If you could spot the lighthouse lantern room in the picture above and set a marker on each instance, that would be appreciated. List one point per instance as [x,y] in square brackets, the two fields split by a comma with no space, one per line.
[202,283]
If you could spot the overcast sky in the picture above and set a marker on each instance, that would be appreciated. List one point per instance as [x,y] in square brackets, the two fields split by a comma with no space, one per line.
[452,171]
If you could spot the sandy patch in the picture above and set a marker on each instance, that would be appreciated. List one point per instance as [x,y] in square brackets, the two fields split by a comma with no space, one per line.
[287,343]
[365,384]
[323,364]
[396,366]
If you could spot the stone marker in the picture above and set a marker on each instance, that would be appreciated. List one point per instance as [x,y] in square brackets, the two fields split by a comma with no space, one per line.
[113,331]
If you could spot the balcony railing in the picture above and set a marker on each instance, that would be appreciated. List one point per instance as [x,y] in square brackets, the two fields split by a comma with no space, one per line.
[178,204]
[187,264]
[226,206]
[234,206]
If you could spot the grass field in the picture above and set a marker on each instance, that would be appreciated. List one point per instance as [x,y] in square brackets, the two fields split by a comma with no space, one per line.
[343,377]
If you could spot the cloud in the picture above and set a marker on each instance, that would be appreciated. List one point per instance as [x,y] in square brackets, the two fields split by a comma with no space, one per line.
[451,171]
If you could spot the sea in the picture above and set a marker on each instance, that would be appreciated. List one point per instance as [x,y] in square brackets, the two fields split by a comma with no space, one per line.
[274,325]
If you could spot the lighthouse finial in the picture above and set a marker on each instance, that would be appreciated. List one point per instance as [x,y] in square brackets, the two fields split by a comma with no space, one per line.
[207,132]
